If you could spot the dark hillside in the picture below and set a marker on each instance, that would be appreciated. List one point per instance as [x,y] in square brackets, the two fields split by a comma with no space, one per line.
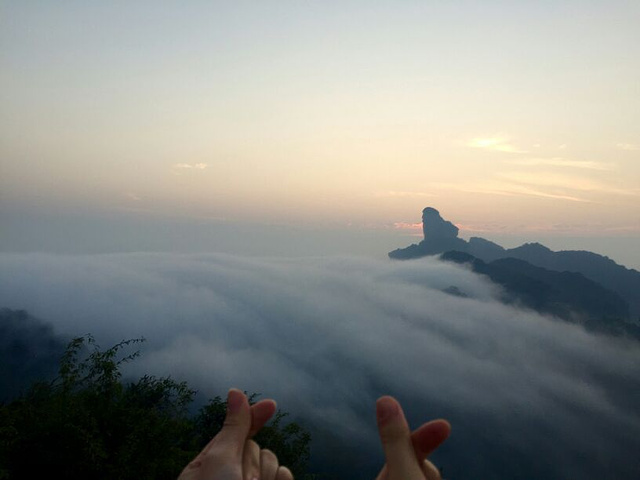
[567,295]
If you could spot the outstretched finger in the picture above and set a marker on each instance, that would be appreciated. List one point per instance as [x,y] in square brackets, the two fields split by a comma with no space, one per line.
[425,440]
[396,440]
[429,436]
[261,412]
[235,430]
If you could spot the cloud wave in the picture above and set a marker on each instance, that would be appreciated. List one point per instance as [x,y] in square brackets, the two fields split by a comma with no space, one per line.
[528,396]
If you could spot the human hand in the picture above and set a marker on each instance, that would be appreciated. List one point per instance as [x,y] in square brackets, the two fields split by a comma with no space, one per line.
[406,452]
[231,454]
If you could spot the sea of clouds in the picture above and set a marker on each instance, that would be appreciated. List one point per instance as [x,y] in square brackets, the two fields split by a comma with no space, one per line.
[528,396]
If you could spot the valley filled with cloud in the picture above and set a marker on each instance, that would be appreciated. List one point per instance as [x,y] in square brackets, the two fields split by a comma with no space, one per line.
[528,396]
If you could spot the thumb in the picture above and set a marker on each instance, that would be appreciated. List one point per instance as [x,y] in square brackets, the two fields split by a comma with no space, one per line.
[396,440]
[237,424]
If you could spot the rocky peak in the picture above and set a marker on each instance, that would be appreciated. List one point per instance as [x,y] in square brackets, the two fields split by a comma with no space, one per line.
[435,227]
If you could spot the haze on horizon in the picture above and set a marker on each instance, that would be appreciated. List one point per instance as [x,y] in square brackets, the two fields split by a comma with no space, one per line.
[513,119]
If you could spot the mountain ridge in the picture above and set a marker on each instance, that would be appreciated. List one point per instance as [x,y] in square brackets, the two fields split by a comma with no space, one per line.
[440,238]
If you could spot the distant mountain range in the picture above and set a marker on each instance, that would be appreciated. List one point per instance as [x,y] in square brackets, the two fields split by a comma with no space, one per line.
[577,286]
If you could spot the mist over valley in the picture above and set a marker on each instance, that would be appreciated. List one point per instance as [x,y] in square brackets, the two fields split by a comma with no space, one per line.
[326,336]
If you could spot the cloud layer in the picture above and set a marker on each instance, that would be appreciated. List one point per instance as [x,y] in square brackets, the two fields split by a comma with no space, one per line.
[528,396]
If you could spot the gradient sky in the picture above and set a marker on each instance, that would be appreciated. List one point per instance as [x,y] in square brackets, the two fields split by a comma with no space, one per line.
[509,117]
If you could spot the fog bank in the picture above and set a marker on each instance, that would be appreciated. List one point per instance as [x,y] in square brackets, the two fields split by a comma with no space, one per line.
[528,396]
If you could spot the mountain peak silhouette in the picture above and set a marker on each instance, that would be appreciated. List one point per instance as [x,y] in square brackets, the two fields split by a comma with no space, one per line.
[435,227]
[441,236]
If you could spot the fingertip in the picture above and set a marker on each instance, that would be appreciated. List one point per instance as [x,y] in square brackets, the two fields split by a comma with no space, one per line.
[271,402]
[263,410]
[430,471]
[387,408]
[444,427]
[237,423]
[284,474]
[396,439]
[386,398]
[392,425]
[268,459]
[235,400]
[430,436]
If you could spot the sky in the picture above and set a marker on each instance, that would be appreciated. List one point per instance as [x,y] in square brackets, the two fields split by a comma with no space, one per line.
[279,134]
[528,396]
[513,119]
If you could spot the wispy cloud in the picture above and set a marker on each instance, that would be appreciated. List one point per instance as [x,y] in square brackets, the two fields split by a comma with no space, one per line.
[412,227]
[622,229]
[193,166]
[496,143]
[395,193]
[492,187]
[633,147]
[133,196]
[565,182]
[545,184]
[480,227]
[561,162]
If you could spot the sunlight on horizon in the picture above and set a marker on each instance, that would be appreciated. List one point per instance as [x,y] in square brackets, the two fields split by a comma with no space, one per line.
[357,115]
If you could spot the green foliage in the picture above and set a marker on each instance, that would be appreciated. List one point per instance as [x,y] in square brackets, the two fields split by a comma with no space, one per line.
[290,441]
[89,424]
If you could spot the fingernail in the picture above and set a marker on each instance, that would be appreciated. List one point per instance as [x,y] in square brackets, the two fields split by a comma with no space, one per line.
[235,399]
[386,408]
